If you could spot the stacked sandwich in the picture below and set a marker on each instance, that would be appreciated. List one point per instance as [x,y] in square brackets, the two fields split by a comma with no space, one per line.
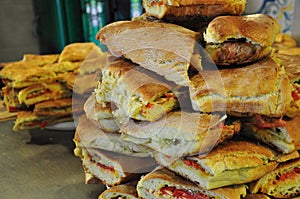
[216,118]
[40,87]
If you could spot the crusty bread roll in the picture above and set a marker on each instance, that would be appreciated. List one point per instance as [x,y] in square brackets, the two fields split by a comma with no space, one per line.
[102,115]
[78,51]
[126,191]
[135,92]
[282,134]
[113,168]
[180,133]
[257,28]
[42,92]
[192,14]
[233,40]
[283,182]
[89,135]
[259,88]
[162,183]
[256,196]
[235,162]
[164,48]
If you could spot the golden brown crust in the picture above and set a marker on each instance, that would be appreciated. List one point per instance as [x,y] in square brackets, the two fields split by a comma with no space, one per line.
[293,127]
[245,93]
[282,182]
[162,177]
[166,48]
[143,85]
[21,71]
[203,9]
[200,2]
[258,28]
[41,59]
[247,153]
[126,189]
[109,30]
[78,51]
[55,103]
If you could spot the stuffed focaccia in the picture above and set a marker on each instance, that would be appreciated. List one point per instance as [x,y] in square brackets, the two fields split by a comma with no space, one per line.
[194,15]
[57,107]
[280,134]
[235,162]
[261,88]
[22,74]
[135,92]
[29,120]
[78,51]
[164,48]
[113,168]
[102,115]
[180,133]
[11,101]
[292,68]
[234,40]
[40,60]
[43,92]
[125,191]
[256,196]
[89,135]
[282,182]
[63,67]
[162,183]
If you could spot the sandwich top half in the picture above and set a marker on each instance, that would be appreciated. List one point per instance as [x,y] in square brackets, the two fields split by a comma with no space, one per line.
[135,92]
[164,48]
[262,88]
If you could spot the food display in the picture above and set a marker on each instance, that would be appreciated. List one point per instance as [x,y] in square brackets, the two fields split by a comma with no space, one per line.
[40,88]
[192,100]
[213,110]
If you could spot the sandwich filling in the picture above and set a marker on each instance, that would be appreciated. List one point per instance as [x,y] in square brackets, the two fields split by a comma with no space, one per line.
[42,92]
[237,52]
[283,182]
[173,192]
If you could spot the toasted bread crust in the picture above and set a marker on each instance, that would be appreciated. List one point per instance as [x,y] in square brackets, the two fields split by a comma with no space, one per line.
[243,90]
[258,28]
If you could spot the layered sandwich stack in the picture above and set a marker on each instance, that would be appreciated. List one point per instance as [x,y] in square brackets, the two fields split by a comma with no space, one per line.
[40,87]
[218,118]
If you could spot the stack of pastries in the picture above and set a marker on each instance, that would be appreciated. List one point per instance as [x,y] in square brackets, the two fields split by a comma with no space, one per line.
[40,87]
[185,113]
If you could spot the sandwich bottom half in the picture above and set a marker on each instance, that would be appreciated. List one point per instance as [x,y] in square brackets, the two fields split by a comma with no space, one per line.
[234,162]
[112,168]
[162,183]
[282,182]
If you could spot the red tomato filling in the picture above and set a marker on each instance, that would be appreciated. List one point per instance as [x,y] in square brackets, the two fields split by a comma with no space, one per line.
[296,93]
[36,94]
[110,168]
[181,193]
[291,174]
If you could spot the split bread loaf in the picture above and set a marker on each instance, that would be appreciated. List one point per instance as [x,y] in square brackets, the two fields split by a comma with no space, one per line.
[112,168]
[192,14]
[180,133]
[135,92]
[165,48]
[235,162]
[88,134]
[233,40]
[260,88]
[162,183]
[100,114]
[280,134]
[283,182]
[125,191]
